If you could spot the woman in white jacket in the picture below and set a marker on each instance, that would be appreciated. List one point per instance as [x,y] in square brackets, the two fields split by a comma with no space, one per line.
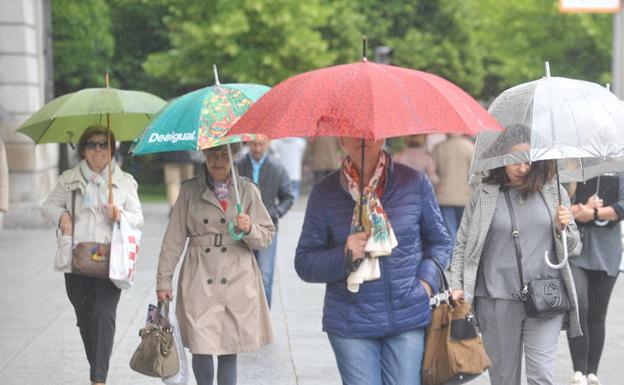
[84,189]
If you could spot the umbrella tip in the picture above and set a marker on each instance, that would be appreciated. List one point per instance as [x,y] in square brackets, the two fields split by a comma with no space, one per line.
[106,83]
[547,65]
[216,74]
[364,41]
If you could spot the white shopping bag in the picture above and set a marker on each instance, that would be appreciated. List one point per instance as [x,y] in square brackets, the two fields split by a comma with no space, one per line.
[181,378]
[62,258]
[123,254]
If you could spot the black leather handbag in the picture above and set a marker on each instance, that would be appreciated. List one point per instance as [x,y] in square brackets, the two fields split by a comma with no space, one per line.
[542,297]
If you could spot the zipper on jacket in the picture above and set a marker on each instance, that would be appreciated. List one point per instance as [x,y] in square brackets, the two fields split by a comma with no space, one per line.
[388,299]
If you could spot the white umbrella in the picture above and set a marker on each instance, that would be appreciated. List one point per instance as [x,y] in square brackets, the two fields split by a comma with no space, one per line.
[577,123]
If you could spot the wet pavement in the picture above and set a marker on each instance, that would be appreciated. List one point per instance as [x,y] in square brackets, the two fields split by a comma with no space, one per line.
[41,344]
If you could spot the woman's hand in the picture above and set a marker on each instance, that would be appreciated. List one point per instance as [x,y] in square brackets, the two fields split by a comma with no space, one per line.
[243,222]
[356,243]
[594,202]
[65,224]
[457,294]
[112,212]
[563,218]
[426,286]
[164,295]
[584,213]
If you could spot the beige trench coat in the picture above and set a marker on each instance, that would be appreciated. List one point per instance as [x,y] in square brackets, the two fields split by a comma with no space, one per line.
[221,306]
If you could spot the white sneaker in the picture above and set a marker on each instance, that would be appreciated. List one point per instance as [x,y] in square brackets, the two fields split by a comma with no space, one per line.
[578,379]
[592,379]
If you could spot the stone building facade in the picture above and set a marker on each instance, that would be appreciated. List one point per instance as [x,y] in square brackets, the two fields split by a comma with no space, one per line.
[25,86]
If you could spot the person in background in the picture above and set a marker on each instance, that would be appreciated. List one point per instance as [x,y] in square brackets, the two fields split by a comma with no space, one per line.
[4,179]
[452,159]
[484,267]
[78,207]
[375,312]
[290,152]
[595,270]
[221,307]
[178,166]
[275,187]
[415,155]
[323,155]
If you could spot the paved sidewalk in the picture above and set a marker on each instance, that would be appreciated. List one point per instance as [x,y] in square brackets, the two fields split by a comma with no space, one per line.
[41,344]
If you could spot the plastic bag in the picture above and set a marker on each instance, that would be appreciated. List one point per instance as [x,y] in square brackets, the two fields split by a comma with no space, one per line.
[181,378]
[123,254]
[62,259]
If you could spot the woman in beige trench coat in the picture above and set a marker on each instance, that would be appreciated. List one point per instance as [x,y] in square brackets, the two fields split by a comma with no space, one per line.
[221,306]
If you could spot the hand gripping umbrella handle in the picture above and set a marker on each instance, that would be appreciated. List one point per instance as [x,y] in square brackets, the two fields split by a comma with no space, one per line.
[237,236]
[560,265]
[350,263]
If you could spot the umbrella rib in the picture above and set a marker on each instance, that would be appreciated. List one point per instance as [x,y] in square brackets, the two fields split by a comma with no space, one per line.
[46,130]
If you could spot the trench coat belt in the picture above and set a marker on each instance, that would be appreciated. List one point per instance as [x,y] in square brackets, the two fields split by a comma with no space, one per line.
[214,240]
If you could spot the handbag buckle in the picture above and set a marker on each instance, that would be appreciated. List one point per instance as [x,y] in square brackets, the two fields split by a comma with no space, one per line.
[524,293]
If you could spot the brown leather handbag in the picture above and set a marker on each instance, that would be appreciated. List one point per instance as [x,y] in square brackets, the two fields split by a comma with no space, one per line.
[89,258]
[454,352]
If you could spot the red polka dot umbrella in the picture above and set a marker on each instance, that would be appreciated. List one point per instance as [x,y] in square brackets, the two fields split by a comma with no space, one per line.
[365,100]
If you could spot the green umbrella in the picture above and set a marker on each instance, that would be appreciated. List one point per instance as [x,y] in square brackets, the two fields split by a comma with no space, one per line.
[65,118]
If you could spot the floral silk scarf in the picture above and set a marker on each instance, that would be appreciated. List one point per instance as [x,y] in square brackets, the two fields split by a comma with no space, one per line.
[374,220]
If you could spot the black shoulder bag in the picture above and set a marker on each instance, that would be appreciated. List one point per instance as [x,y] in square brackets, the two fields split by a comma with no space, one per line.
[542,297]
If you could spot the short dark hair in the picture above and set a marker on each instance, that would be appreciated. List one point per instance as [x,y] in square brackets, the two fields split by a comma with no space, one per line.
[90,132]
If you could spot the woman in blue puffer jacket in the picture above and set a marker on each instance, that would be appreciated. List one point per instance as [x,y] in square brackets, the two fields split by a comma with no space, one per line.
[376,310]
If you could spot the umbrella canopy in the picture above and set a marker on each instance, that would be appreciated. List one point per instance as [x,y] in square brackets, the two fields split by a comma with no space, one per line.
[364,100]
[200,119]
[575,120]
[65,118]
[578,124]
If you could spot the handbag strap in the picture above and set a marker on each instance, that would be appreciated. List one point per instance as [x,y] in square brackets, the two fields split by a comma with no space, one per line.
[444,285]
[159,317]
[515,235]
[72,216]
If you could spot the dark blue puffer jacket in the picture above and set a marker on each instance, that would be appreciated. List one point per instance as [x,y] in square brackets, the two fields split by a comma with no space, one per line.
[396,302]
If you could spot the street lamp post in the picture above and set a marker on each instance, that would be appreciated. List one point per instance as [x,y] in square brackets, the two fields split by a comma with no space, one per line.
[618,53]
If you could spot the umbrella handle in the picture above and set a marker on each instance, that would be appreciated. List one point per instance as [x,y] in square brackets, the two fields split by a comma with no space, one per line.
[237,236]
[560,265]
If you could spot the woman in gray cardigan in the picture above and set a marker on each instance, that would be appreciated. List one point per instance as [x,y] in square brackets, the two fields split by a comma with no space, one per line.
[484,267]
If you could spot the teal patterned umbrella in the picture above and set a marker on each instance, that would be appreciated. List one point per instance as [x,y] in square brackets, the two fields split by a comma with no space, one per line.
[200,119]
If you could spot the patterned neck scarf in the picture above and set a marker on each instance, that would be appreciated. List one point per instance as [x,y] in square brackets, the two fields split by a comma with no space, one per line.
[221,191]
[374,219]
[95,193]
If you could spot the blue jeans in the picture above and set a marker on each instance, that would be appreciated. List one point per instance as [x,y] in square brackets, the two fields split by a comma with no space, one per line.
[394,360]
[452,218]
[266,263]
[296,187]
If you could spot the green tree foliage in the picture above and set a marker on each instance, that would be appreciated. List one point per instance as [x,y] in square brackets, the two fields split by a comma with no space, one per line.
[432,36]
[261,41]
[139,30]
[83,44]
[516,37]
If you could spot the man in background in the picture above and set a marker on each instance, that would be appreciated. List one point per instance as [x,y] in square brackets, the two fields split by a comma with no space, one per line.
[272,180]
[452,159]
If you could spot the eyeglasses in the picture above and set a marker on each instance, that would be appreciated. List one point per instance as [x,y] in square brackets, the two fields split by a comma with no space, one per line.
[212,156]
[91,145]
